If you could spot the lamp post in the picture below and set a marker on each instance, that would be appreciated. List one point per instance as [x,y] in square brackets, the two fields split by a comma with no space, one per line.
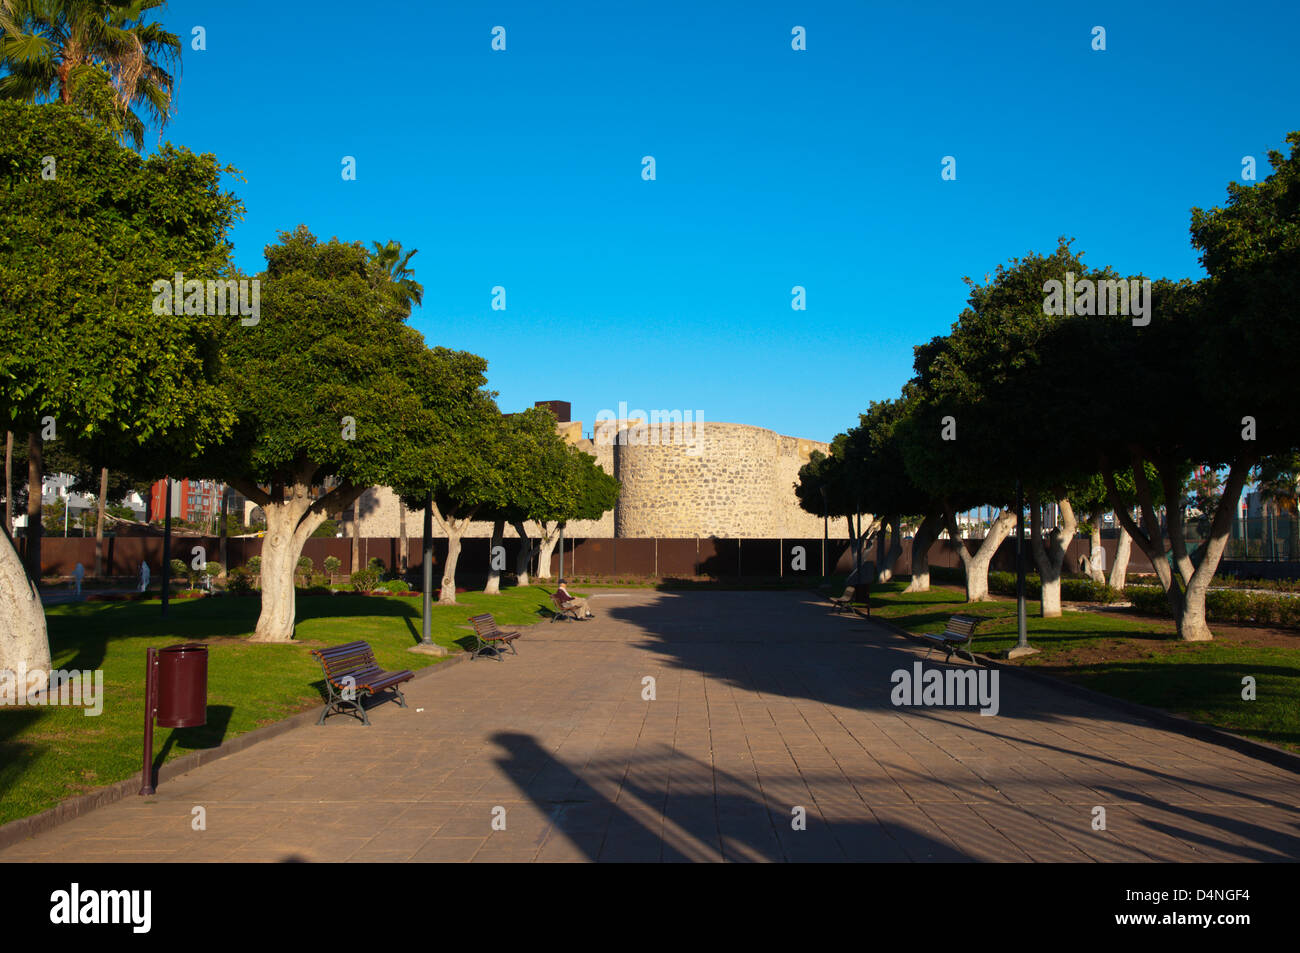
[1022,646]
[826,532]
[426,558]
[167,547]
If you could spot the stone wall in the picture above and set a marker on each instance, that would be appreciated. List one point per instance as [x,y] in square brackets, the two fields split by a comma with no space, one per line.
[682,481]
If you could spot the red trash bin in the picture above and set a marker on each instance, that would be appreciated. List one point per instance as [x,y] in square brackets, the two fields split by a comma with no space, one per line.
[183,685]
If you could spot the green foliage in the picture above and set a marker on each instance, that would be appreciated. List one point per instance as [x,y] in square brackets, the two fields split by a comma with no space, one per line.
[333,564]
[254,565]
[365,580]
[328,529]
[394,586]
[1073,588]
[239,582]
[305,565]
[1225,605]
[78,254]
[181,570]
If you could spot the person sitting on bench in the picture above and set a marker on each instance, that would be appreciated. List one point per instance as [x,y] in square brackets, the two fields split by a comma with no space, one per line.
[568,601]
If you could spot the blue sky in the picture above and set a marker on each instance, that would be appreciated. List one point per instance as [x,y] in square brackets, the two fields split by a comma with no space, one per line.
[774,168]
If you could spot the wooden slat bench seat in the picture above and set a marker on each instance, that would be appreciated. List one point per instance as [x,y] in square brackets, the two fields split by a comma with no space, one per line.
[351,673]
[560,612]
[490,637]
[955,638]
[849,599]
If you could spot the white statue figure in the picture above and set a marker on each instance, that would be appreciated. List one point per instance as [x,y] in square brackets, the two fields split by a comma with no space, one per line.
[144,576]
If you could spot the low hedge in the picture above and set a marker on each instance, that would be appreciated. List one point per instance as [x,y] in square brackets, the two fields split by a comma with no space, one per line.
[1225,605]
[1073,588]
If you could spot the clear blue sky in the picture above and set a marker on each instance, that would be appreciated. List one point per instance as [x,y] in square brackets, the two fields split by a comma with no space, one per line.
[775,168]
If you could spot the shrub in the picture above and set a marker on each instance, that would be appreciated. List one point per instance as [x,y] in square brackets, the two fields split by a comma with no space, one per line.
[333,564]
[395,586]
[1086,590]
[1225,605]
[254,565]
[239,582]
[181,570]
[305,565]
[1149,600]
[365,580]
[214,569]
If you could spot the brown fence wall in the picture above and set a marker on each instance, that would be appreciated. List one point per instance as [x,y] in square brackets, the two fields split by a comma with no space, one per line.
[717,558]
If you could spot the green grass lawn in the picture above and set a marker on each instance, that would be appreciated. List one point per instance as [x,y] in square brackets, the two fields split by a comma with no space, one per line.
[48,754]
[1132,657]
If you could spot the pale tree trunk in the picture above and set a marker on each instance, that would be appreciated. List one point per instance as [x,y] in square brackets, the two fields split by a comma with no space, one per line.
[1050,558]
[455,528]
[550,536]
[887,558]
[523,562]
[291,517]
[1096,555]
[223,549]
[493,586]
[403,544]
[1123,550]
[35,522]
[1193,627]
[976,565]
[356,535]
[23,641]
[99,524]
[925,536]
[858,539]
[1186,595]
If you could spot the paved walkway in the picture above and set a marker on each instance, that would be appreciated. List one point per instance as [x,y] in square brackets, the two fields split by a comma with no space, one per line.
[764,702]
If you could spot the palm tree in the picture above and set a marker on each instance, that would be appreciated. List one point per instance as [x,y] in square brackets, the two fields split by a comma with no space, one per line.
[99,56]
[390,271]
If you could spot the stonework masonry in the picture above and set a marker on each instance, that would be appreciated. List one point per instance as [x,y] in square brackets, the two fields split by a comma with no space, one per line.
[706,479]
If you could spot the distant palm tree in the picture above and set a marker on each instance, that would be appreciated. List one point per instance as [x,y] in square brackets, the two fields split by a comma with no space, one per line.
[99,56]
[391,272]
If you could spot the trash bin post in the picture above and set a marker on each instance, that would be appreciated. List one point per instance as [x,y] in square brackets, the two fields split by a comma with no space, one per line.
[150,692]
[176,695]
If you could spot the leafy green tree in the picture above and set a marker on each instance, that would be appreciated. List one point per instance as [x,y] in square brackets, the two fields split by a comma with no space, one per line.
[448,467]
[587,492]
[532,481]
[324,391]
[991,415]
[832,485]
[103,58]
[79,342]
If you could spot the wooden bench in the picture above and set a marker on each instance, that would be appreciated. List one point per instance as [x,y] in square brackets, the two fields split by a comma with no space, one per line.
[845,602]
[955,638]
[560,612]
[351,673]
[490,637]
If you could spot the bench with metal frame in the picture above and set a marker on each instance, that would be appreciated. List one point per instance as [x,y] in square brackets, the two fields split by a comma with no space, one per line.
[489,636]
[570,613]
[351,673]
[846,601]
[955,638]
